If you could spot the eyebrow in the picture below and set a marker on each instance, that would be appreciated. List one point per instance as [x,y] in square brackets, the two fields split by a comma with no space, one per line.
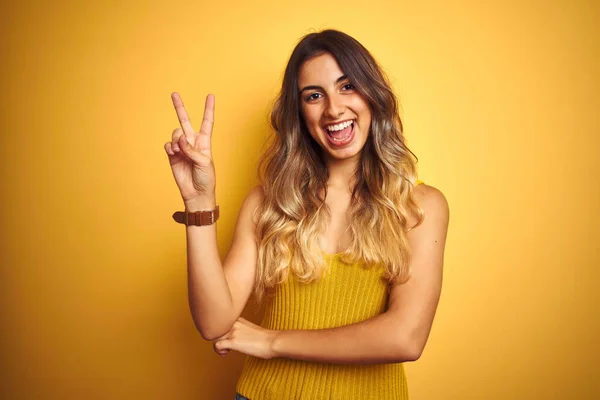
[313,87]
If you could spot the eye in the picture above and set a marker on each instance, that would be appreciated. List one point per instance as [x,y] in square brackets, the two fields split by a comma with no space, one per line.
[313,96]
[348,86]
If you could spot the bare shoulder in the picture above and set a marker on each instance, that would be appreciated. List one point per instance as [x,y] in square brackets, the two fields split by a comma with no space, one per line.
[430,198]
[253,200]
[433,203]
[256,195]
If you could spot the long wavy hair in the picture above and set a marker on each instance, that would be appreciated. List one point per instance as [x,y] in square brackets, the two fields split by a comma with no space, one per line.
[294,178]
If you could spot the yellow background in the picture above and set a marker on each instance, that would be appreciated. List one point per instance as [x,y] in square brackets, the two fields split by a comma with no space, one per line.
[500,102]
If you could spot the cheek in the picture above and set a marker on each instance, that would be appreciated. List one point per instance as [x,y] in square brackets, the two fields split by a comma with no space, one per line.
[361,107]
[365,116]
[309,125]
[368,121]
[311,120]
[310,117]
[366,125]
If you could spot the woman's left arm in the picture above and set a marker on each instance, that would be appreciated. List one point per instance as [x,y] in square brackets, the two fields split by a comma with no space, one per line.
[397,335]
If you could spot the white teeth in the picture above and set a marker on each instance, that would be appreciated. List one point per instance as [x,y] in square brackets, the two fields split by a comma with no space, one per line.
[339,127]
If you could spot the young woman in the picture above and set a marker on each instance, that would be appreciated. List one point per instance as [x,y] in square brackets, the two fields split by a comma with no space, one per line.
[340,240]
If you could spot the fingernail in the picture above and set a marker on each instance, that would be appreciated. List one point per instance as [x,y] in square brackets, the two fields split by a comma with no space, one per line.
[175,147]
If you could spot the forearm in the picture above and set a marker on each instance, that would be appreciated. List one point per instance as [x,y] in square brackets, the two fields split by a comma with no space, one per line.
[208,292]
[374,341]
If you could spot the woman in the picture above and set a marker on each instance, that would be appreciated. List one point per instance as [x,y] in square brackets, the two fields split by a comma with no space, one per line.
[339,239]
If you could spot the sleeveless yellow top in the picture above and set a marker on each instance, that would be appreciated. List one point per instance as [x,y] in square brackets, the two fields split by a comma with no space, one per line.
[345,294]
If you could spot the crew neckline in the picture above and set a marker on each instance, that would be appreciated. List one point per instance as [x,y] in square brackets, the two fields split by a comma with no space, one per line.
[331,255]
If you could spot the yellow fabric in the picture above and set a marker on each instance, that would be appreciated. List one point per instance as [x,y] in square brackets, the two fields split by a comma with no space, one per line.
[346,294]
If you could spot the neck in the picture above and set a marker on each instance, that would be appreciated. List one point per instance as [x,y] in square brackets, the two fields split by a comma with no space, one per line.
[341,172]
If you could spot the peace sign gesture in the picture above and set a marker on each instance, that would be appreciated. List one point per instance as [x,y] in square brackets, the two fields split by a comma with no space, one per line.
[190,156]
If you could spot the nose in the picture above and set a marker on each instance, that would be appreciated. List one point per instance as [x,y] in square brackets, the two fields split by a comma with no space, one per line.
[335,106]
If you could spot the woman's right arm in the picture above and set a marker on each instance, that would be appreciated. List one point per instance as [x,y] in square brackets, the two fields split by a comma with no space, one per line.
[217,291]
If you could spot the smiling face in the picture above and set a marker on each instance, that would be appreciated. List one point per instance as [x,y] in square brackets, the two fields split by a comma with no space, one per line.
[336,115]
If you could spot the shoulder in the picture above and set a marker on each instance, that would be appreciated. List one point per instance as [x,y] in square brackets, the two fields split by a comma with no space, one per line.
[253,200]
[430,198]
[256,195]
[433,203]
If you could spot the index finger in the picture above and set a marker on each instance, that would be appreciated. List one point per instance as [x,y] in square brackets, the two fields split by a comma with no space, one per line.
[182,114]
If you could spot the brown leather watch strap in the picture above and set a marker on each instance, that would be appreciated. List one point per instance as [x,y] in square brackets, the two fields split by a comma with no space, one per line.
[197,218]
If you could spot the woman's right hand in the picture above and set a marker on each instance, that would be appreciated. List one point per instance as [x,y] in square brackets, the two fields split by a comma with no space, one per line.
[190,156]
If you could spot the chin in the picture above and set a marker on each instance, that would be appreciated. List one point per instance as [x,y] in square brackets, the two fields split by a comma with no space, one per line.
[342,154]
[345,155]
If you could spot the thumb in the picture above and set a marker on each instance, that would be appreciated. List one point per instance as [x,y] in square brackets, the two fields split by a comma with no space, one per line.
[192,153]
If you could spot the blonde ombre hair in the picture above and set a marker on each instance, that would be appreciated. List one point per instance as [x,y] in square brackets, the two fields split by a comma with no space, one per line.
[294,178]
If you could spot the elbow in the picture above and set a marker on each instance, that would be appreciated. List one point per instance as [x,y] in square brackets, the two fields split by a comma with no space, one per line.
[208,335]
[211,333]
[410,349]
[412,353]
[211,328]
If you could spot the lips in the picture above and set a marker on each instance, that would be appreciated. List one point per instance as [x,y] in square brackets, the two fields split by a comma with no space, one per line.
[340,138]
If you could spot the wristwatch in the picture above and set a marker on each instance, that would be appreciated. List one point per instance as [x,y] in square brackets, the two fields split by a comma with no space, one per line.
[197,218]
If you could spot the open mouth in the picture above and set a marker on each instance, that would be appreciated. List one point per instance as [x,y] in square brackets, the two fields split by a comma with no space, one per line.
[340,133]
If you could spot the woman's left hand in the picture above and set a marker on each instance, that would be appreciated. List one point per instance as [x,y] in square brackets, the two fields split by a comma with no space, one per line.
[247,338]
